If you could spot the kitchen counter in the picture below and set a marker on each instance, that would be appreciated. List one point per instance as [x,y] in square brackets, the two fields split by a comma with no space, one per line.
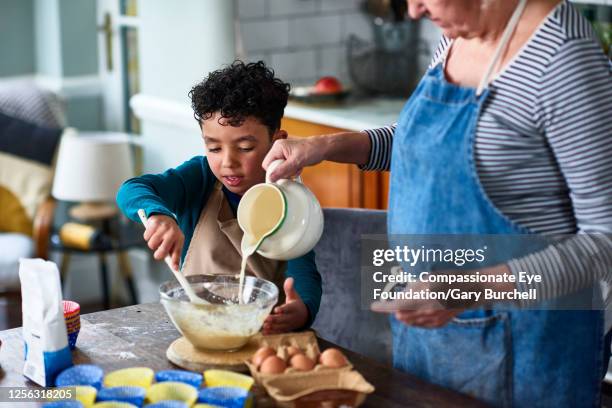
[353,114]
[139,336]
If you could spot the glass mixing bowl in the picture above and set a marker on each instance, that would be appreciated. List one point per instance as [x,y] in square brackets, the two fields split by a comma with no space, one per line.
[223,324]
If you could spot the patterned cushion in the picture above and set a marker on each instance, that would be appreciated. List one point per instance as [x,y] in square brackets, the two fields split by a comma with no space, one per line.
[26,155]
[28,102]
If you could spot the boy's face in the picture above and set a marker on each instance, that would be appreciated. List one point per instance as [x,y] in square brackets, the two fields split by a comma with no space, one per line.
[235,154]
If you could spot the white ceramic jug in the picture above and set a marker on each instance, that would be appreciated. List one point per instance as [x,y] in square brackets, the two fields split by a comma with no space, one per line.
[300,226]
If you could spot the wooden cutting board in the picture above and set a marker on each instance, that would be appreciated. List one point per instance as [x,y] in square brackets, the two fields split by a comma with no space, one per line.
[182,353]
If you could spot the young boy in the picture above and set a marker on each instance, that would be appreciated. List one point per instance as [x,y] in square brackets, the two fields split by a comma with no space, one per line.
[191,209]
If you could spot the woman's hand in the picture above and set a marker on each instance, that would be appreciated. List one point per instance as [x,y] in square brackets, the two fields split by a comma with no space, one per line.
[292,315]
[346,147]
[416,313]
[164,237]
[427,313]
[297,153]
[432,313]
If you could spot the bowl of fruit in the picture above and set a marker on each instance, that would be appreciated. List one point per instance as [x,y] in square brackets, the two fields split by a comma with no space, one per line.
[327,89]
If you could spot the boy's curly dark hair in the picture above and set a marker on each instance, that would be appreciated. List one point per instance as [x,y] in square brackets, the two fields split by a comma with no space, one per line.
[241,90]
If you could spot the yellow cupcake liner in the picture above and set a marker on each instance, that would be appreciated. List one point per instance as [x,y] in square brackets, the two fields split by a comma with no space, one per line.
[171,390]
[224,378]
[86,395]
[130,377]
[113,404]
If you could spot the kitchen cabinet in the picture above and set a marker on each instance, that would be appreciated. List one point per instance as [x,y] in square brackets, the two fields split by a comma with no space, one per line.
[337,184]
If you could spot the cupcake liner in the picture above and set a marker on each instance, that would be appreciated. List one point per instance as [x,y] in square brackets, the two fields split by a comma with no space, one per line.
[170,390]
[70,307]
[72,339]
[131,395]
[168,404]
[82,374]
[187,377]
[63,404]
[229,397]
[224,378]
[130,377]
[206,406]
[85,394]
[73,330]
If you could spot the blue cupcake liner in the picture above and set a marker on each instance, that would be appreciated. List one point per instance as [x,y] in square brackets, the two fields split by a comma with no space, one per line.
[72,338]
[167,404]
[81,374]
[229,397]
[187,377]
[63,404]
[131,395]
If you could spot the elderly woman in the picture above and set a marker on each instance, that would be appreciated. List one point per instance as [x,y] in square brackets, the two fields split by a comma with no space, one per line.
[507,133]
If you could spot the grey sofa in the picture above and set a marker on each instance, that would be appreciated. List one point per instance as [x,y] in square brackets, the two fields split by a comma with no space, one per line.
[341,318]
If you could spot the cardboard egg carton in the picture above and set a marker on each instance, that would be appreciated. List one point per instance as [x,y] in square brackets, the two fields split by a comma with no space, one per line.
[330,388]
[305,341]
[322,383]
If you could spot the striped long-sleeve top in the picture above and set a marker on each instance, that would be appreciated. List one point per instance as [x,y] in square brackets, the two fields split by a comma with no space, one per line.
[543,150]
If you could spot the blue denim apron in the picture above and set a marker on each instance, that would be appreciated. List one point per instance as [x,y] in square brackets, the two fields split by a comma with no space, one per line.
[503,356]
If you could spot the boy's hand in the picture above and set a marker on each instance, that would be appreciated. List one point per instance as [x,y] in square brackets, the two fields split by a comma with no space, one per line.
[290,316]
[164,237]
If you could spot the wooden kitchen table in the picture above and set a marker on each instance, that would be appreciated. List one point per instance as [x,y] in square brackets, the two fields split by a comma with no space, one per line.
[139,336]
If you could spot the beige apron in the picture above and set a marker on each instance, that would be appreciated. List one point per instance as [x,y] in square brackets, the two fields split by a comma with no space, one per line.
[215,246]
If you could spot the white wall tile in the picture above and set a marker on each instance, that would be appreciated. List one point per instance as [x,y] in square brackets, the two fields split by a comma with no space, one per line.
[265,35]
[333,60]
[337,5]
[358,24]
[254,57]
[310,31]
[251,8]
[292,7]
[430,37]
[430,33]
[302,39]
[296,65]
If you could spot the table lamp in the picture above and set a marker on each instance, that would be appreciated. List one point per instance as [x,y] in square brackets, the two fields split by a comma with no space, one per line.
[90,169]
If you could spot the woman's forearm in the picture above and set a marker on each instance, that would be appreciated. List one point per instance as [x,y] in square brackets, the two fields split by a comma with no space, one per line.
[346,147]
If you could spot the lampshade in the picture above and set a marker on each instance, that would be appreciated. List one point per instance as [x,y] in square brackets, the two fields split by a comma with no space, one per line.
[91,166]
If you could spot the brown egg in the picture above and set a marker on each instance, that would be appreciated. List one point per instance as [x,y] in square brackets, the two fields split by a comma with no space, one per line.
[301,363]
[333,358]
[272,365]
[292,351]
[261,354]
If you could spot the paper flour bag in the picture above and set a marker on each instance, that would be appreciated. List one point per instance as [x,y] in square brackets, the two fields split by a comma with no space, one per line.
[44,328]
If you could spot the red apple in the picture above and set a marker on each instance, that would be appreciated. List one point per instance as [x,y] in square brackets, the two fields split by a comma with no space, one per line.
[327,85]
